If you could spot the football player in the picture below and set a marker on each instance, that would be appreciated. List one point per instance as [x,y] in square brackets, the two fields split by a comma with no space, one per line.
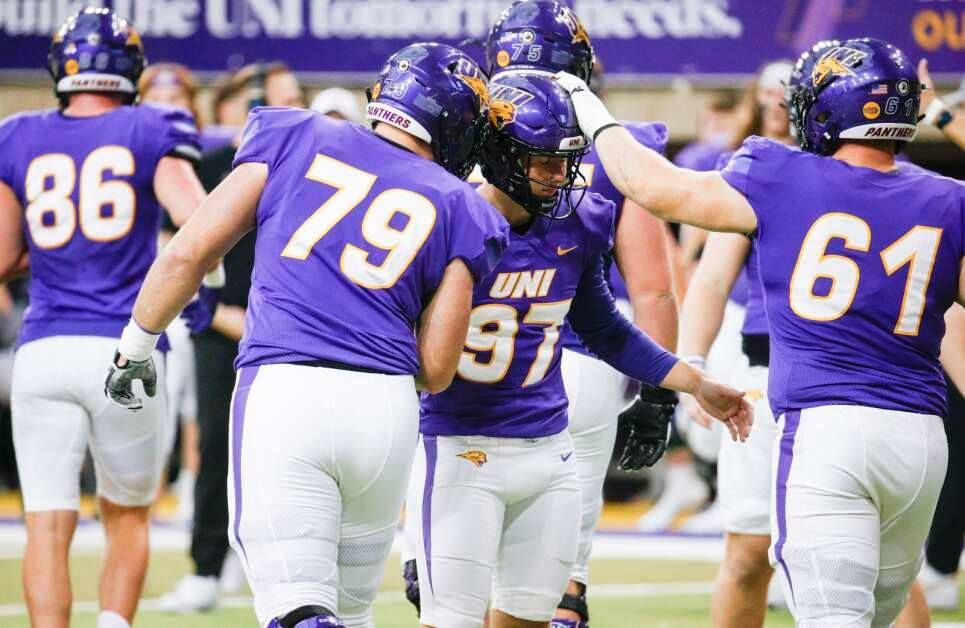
[859,261]
[500,504]
[363,237]
[545,36]
[81,188]
[743,485]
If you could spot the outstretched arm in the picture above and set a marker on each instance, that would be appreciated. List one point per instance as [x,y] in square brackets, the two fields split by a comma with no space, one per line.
[613,338]
[702,199]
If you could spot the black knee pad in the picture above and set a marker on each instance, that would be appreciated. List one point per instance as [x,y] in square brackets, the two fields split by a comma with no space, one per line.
[576,603]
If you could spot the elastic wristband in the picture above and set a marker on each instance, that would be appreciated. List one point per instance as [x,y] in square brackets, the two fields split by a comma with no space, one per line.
[944,119]
[697,361]
[604,128]
[934,111]
[136,344]
[214,278]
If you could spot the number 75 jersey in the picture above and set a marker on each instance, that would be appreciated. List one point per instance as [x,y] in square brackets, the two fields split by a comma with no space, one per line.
[858,268]
[354,234]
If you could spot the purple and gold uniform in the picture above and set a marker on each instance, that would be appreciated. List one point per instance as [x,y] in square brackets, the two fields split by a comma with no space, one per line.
[317,246]
[857,315]
[91,217]
[857,267]
[509,382]
[91,221]
[354,235]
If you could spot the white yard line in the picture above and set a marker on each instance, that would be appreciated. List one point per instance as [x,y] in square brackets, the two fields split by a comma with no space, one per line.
[89,540]
[241,601]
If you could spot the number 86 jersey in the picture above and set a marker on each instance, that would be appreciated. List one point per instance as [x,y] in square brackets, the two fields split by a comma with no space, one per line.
[354,234]
[91,218]
[858,268]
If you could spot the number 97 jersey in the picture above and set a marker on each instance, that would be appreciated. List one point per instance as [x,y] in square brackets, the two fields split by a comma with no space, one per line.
[858,268]
[91,219]
[354,234]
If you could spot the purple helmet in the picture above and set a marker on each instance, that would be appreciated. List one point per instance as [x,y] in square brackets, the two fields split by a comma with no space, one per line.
[863,89]
[437,94]
[96,51]
[532,116]
[541,35]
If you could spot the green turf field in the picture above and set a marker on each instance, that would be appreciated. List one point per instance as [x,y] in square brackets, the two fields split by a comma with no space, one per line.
[632,594]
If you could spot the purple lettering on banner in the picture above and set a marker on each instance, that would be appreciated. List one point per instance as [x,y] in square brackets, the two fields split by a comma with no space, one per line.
[646,41]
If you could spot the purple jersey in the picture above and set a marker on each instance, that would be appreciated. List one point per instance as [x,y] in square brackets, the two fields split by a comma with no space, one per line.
[651,135]
[509,382]
[91,218]
[755,318]
[354,234]
[858,268]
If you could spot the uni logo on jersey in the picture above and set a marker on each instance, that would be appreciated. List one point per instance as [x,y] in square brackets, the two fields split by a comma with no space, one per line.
[476,457]
[526,283]
[838,61]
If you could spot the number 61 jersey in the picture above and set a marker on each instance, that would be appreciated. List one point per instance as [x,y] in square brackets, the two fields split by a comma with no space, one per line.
[91,218]
[354,234]
[858,268]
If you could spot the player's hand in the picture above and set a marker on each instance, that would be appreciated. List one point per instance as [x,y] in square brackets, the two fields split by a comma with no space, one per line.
[120,378]
[727,406]
[591,113]
[694,412]
[928,86]
[199,313]
[645,427]
[411,576]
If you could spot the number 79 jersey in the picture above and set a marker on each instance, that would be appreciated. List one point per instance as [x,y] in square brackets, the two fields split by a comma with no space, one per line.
[354,234]
[509,382]
[858,268]
[91,218]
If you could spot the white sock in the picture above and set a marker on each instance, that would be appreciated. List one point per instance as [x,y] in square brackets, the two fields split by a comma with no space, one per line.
[110,619]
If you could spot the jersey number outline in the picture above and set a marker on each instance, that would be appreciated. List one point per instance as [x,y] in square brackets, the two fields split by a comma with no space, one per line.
[352,186]
[93,194]
[501,341]
[917,249]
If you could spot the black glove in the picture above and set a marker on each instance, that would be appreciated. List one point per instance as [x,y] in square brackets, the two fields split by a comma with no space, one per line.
[117,386]
[411,576]
[644,427]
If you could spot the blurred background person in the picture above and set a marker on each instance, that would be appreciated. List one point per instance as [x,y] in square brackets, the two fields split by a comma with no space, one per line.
[338,103]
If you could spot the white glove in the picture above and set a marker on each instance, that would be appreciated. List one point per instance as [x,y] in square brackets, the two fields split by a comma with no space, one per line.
[591,113]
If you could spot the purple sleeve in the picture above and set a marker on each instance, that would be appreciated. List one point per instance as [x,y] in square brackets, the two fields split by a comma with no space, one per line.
[599,217]
[7,135]
[177,133]
[609,335]
[754,170]
[653,135]
[478,234]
